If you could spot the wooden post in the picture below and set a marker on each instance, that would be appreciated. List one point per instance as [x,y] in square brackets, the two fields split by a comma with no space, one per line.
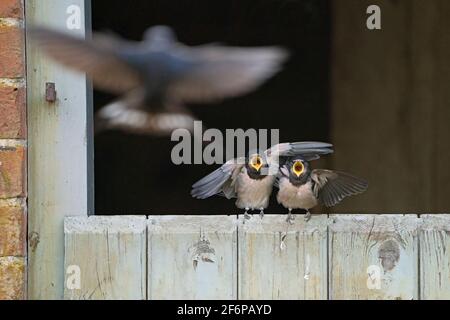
[435,257]
[108,254]
[192,257]
[59,140]
[390,103]
[278,260]
[373,257]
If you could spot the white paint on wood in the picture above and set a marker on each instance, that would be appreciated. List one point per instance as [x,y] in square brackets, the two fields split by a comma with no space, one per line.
[192,257]
[110,253]
[57,171]
[278,260]
[372,249]
[435,257]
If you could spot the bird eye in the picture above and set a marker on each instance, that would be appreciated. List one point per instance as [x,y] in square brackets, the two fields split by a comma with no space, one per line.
[298,168]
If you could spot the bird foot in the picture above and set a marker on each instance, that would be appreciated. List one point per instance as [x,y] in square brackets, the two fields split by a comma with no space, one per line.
[261,214]
[290,218]
[307,216]
[246,216]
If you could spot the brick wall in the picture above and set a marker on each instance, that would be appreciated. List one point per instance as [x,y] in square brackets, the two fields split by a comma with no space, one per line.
[12,151]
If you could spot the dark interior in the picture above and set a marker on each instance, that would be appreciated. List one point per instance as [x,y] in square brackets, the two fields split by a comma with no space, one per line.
[134,174]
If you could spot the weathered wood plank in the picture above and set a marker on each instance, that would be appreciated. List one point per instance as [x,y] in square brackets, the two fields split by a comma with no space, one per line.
[192,257]
[389,95]
[441,47]
[110,254]
[373,257]
[58,157]
[278,260]
[435,257]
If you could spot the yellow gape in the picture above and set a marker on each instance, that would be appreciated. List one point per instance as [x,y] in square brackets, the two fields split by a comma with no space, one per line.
[256,163]
[298,168]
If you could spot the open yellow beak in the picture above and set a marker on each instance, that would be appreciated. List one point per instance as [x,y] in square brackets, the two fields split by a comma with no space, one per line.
[256,163]
[298,168]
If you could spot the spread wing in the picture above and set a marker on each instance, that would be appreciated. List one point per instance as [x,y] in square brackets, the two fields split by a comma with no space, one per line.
[309,151]
[218,72]
[221,181]
[99,58]
[331,187]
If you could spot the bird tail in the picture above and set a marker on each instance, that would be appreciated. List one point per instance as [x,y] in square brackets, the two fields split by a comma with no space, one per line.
[118,115]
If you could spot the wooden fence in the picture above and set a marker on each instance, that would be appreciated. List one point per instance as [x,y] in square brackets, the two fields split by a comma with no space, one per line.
[220,257]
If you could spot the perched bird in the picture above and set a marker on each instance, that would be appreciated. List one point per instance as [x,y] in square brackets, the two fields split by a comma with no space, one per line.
[303,188]
[157,76]
[250,179]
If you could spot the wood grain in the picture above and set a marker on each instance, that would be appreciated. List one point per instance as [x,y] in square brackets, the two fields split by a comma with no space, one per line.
[278,260]
[58,153]
[111,255]
[373,257]
[192,257]
[390,103]
[435,257]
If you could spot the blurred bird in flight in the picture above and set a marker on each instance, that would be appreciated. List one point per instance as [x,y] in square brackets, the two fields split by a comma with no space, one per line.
[157,76]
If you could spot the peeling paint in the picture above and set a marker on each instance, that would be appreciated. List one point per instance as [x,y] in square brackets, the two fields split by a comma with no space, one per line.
[15,83]
[389,254]
[10,22]
[202,251]
[34,239]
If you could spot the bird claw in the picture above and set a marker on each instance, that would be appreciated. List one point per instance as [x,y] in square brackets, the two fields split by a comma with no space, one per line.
[290,218]
[307,216]
[246,216]
[261,214]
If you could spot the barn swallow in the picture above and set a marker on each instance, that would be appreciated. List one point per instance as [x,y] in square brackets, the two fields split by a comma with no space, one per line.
[157,76]
[303,188]
[250,179]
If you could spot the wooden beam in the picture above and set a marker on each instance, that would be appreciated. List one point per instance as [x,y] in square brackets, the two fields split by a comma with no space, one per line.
[373,257]
[109,255]
[58,151]
[192,257]
[278,260]
[390,104]
[435,257]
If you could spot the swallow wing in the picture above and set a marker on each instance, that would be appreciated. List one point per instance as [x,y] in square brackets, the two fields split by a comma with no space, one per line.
[221,181]
[331,187]
[99,58]
[218,72]
[309,150]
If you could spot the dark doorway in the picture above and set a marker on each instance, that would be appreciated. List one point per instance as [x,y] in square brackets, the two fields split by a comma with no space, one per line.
[134,174]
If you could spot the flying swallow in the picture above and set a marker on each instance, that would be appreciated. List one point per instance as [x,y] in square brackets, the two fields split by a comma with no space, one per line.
[156,77]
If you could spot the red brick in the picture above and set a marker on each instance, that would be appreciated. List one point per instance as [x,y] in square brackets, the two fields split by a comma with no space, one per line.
[12,278]
[11,51]
[11,9]
[12,172]
[12,231]
[12,112]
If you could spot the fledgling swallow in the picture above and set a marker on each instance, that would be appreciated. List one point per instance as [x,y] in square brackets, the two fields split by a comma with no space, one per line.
[303,188]
[250,179]
[157,76]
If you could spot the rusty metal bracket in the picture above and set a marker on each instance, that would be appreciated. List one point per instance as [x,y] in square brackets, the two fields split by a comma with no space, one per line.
[50,92]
